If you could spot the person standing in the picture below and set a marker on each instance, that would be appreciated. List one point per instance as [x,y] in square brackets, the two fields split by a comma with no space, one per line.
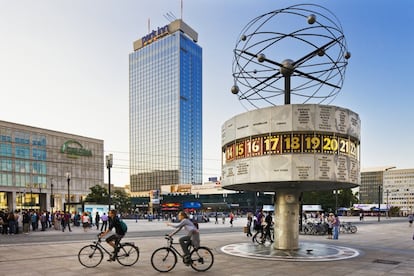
[249,225]
[12,223]
[97,219]
[336,223]
[26,222]
[34,221]
[216,217]
[86,221]
[104,219]
[331,219]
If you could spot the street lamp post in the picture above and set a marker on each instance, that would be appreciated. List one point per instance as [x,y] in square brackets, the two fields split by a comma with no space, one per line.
[68,179]
[388,208]
[31,196]
[379,202]
[52,198]
[109,163]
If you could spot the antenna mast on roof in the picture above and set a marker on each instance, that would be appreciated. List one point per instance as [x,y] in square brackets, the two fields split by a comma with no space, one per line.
[181,15]
[170,17]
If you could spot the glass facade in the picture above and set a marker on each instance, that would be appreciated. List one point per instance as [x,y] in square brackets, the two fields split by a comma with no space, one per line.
[165,102]
[33,159]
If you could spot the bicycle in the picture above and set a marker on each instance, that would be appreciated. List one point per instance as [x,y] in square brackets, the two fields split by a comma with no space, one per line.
[127,254]
[263,237]
[347,227]
[164,259]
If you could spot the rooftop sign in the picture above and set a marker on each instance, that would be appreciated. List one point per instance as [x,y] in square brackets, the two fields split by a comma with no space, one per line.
[74,149]
[154,35]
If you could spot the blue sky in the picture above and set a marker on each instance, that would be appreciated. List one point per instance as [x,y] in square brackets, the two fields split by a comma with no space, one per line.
[64,66]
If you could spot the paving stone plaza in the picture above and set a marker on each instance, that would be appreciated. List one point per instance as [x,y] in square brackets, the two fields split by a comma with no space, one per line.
[378,248]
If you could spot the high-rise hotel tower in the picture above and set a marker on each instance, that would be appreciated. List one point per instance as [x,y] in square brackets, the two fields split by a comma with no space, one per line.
[165,108]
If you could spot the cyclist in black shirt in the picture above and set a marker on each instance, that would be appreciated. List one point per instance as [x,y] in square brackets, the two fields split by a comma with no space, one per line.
[114,239]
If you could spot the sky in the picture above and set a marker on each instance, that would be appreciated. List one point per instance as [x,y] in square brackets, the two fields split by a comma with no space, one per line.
[64,67]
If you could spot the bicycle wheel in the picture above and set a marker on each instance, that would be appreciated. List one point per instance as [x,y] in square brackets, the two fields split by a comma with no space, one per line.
[163,259]
[201,259]
[128,254]
[353,229]
[257,238]
[90,255]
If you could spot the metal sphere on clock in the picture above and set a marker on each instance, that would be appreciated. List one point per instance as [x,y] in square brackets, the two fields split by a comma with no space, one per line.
[299,52]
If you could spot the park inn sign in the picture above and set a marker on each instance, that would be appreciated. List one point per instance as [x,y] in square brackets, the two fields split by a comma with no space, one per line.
[74,149]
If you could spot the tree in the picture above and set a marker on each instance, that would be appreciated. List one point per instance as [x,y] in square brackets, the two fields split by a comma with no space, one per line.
[122,201]
[327,199]
[98,195]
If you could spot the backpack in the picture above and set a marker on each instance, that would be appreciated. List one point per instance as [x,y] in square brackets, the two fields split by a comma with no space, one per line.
[123,226]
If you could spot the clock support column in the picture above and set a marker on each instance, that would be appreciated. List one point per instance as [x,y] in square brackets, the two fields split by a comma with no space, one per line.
[287,206]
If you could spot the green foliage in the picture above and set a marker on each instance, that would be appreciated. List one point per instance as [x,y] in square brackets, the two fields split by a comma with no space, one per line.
[98,195]
[328,201]
[121,200]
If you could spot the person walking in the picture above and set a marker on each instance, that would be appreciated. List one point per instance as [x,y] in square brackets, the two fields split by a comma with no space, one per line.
[410,220]
[66,221]
[216,217]
[269,224]
[231,216]
[104,219]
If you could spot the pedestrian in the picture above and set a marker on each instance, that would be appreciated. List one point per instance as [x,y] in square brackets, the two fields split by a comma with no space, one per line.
[330,220]
[43,221]
[336,225]
[259,221]
[104,219]
[249,225]
[269,223]
[231,216]
[361,216]
[57,220]
[34,220]
[12,223]
[223,217]
[97,219]
[410,220]
[17,221]
[26,222]
[66,221]
[216,217]
[49,219]
[85,221]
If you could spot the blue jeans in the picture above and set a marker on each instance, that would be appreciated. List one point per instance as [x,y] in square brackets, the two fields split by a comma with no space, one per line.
[335,232]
